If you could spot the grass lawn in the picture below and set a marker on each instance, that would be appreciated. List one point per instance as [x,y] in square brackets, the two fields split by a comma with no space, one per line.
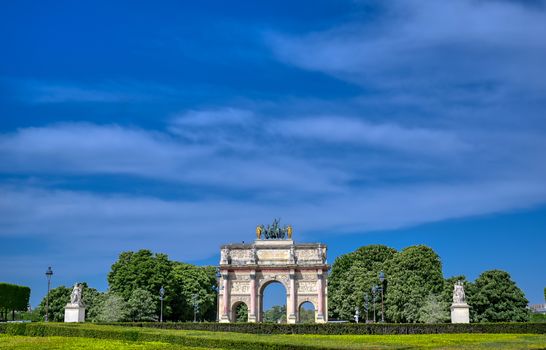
[420,341]
[47,343]
[148,338]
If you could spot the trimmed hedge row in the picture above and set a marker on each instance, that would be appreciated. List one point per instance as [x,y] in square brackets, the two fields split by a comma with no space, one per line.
[142,335]
[13,298]
[347,328]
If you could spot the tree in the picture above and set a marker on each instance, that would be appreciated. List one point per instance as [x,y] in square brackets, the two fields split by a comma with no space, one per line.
[139,270]
[353,275]
[113,308]
[495,297]
[92,299]
[13,298]
[413,274]
[185,281]
[58,298]
[241,313]
[141,306]
[434,310]
[277,314]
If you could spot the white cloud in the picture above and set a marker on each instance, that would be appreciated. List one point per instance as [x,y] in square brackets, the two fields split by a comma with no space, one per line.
[429,43]
[387,136]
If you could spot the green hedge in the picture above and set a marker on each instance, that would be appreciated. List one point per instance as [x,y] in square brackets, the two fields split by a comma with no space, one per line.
[348,328]
[142,335]
[13,298]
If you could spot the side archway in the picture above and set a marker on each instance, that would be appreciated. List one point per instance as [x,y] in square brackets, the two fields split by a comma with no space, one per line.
[239,312]
[307,312]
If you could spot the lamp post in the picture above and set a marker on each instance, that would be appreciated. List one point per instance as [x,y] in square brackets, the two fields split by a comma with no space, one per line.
[195,306]
[367,305]
[48,273]
[374,298]
[382,280]
[161,295]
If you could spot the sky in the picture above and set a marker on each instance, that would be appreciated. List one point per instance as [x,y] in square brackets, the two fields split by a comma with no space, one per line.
[180,126]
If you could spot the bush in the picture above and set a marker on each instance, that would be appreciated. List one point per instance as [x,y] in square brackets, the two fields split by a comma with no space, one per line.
[349,328]
[13,298]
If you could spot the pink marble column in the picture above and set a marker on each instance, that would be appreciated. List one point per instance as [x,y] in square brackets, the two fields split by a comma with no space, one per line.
[225,301]
[253,295]
[320,288]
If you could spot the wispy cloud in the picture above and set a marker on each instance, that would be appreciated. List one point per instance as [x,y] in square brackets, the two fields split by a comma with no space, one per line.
[418,44]
[384,136]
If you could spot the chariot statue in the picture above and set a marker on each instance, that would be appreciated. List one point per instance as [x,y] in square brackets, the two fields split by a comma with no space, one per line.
[274,231]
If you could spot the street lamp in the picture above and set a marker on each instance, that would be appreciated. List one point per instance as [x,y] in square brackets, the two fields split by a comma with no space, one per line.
[382,280]
[367,305]
[161,295]
[195,306]
[374,298]
[48,273]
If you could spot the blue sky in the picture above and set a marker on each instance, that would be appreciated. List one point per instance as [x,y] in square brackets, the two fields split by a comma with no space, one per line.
[181,126]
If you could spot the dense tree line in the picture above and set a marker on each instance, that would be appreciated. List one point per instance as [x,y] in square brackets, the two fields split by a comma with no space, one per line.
[415,289]
[13,298]
[134,282]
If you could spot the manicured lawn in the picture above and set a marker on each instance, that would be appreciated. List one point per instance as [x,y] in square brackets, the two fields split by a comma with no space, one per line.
[91,336]
[50,343]
[424,341]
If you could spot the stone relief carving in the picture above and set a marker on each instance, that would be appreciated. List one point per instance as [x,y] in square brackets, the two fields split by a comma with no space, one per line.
[240,288]
[307,287]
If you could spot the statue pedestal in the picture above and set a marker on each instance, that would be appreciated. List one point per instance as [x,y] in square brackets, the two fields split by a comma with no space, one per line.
[74,313]
[460,313]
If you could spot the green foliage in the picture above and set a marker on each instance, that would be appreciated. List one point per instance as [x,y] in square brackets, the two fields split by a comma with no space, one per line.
[112,308]
[495,297]
[306,316]
[56,343]
[537,318]
[141,306]
[277,314]
[139,270]
[413,274]
[13,298]
[354,274]
[58,298]
[147,271]
[93,300]
[434,310]
[241,312]
[185,281]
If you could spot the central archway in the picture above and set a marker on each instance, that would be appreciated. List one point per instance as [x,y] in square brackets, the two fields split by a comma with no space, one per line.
[273,302]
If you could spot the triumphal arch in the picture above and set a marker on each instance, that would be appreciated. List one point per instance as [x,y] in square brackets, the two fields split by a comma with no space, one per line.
[246,269]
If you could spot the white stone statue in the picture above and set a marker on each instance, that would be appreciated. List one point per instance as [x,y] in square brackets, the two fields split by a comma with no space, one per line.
[224,256]
[292,257]
[458,293]
[253,255]
[76,296]
[74,311]
[460,310]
